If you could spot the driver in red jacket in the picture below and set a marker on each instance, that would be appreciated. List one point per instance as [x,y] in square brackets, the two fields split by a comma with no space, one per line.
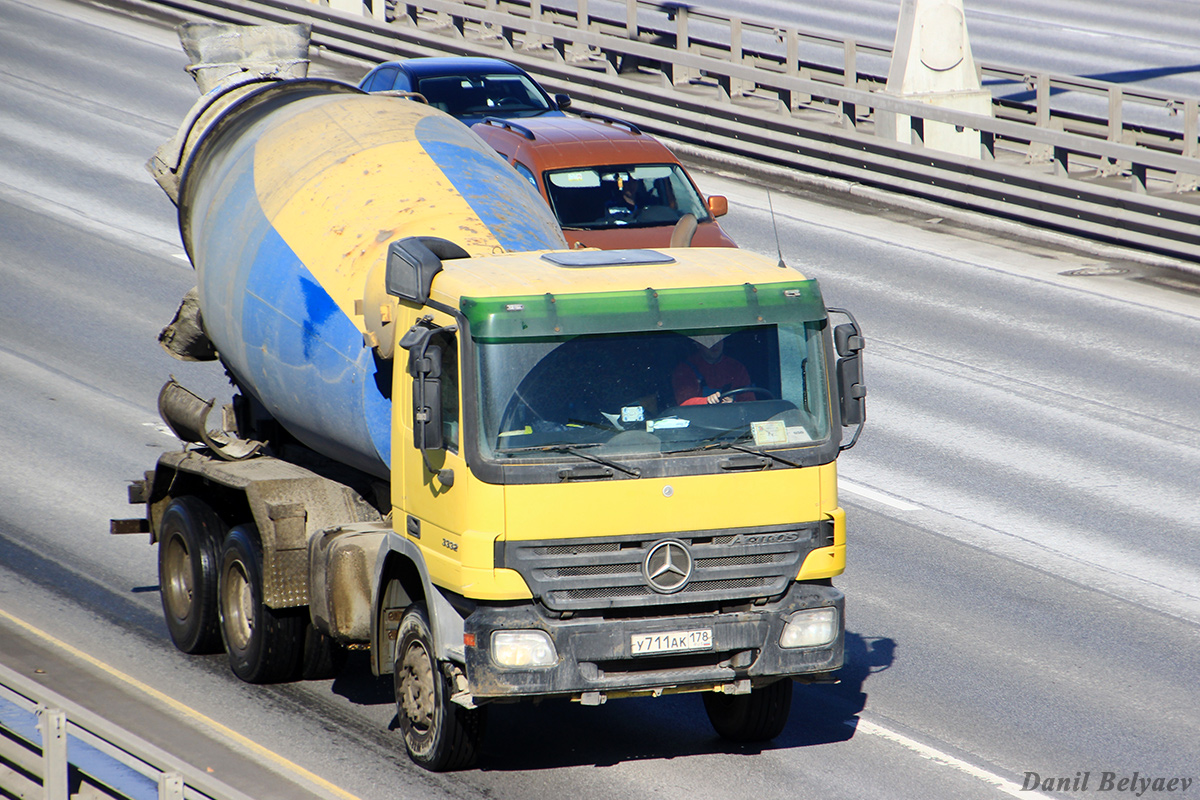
[707,372]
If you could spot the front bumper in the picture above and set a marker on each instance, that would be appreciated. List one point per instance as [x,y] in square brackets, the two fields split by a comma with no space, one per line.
[595,659]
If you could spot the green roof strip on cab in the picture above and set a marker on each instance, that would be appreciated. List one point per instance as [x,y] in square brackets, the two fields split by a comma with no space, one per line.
[551,315]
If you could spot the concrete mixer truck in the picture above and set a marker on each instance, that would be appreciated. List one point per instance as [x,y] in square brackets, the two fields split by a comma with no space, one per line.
[505,469]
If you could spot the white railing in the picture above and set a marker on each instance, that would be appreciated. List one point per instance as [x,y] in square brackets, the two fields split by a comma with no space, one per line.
[778,96]
[36,763]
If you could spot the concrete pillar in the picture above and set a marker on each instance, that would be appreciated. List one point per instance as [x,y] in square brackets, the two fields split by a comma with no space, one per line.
[932,63]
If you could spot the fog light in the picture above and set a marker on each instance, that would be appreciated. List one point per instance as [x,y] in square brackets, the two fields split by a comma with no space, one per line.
[810,628]
[523,649]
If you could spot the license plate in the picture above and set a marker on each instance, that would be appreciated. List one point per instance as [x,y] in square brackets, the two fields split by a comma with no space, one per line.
[644,644]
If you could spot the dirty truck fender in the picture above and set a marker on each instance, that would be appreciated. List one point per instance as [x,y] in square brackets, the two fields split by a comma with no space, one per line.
[402,579]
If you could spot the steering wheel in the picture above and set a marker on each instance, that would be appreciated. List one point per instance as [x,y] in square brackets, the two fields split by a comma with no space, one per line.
[766,392]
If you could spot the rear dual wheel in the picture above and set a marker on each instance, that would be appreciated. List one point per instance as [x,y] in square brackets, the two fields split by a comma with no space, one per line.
[265,645]
[211,584]
[189,539]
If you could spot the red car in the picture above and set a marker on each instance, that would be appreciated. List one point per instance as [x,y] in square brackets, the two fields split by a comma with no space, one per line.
[611,186]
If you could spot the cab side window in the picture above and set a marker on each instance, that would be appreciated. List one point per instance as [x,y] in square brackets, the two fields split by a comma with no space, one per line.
[449,345]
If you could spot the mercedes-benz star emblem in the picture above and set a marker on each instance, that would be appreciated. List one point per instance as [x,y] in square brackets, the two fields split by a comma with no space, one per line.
[668,566]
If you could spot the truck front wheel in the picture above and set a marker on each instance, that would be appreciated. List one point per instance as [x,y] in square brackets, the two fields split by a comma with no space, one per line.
[188,538]
[440,735]
[755,717]
[264,645]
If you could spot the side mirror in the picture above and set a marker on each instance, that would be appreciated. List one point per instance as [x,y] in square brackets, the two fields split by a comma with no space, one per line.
[852,390]
[847,340]
[563,101]
[718,206]
[425,367]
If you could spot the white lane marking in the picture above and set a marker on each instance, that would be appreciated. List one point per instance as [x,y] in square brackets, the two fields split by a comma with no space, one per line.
[933,754]
[879,497]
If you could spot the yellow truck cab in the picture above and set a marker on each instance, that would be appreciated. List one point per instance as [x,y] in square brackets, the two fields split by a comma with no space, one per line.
[595,534]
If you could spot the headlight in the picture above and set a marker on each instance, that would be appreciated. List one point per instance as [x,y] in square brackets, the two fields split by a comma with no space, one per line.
[523,649]
[810,628]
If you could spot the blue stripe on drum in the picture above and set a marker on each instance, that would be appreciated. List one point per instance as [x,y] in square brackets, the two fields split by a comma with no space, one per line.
[506,203]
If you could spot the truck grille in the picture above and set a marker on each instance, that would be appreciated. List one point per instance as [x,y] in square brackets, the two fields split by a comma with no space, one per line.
[725,565]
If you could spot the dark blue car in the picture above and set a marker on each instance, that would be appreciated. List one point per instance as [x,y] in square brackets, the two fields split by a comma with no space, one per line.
[468,88]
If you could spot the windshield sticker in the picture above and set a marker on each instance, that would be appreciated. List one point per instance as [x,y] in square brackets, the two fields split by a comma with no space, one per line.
[666,424]
[798,435]
[767,432]
[523,432]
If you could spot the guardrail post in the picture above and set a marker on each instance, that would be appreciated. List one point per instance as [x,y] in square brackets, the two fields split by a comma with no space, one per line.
[631,24]
[795,99]
[52,724]
[987,146]
[1043,100]
[170,786]
[737,86]
[681,75]
[1062,162]
[1190,146]
[1038,151]
[536,41]
[1137,178]
[850,81]
[1191,129]
[1116,125]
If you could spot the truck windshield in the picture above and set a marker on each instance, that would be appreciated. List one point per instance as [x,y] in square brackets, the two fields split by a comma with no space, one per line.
[760,386]
[642,195]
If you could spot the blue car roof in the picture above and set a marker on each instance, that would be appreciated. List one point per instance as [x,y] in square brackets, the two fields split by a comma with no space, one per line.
[455,65]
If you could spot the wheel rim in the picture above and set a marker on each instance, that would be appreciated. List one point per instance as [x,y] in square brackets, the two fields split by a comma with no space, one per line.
[237,600]
[416,687]
[178,587]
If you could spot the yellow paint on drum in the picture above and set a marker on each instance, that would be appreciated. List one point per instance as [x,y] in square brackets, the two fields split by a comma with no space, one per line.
[341,180]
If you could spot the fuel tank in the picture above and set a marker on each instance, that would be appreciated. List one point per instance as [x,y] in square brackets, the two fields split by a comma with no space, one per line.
[289,191]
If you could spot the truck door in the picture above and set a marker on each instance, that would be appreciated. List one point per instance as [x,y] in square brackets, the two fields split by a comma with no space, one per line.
[453,517]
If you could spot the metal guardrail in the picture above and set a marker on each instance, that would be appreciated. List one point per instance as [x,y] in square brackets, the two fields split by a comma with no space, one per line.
[44,770]
[1100,178]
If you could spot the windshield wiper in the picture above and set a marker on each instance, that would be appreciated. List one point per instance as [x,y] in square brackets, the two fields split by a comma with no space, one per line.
[732,445]
[578,452]
[751,451]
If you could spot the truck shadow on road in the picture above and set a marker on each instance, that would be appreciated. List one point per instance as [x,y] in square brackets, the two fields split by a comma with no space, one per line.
[673,726]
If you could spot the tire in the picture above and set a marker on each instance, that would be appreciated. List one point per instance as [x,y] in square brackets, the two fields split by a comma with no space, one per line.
[755,717]
[188,539]
[323,657]
[264,645]
[439,735]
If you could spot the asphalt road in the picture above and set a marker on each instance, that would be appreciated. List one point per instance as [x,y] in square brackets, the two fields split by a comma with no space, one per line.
[1024,577]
